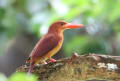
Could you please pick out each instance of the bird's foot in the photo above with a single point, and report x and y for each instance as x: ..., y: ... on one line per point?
x: 31, y: 68
x: 44, y: 62
x: 52, y: 60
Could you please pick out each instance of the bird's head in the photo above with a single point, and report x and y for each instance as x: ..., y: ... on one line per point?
x: 62, y: 25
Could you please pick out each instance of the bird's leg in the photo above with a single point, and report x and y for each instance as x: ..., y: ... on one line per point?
x: 44, y: 62
x: 31, y: 67
x: 52, y: 60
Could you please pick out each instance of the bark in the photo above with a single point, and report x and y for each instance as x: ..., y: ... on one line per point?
x: 91, y: 67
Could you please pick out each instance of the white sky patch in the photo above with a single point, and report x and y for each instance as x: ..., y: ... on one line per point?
x: 3, y: 3
x: 95, y: 1
x: 34, y: 6
x: 93, y: 28
x: 43, y: 29
x: 39, y: 19
x: 59, y: 7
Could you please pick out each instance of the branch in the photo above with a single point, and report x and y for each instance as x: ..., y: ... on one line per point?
x: 92, y: 67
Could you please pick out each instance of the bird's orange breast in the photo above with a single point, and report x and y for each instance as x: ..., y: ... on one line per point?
x: 58, y: 46
x: 54, y: 50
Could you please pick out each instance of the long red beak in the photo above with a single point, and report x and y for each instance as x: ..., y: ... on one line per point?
x: 73, y: 26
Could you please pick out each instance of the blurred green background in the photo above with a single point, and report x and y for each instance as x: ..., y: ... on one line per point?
x: 23, y: 22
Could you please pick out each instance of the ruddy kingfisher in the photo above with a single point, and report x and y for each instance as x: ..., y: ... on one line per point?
x: 50, y: 43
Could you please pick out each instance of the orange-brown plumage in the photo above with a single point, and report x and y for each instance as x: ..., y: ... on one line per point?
x: 49, y: 44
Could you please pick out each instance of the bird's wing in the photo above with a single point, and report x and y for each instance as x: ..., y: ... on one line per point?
x: 46, y: 44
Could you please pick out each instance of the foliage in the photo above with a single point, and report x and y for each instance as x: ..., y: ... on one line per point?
x: 18, y: 77
x: 35, y: 16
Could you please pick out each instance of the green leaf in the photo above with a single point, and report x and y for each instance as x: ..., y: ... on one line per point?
x: 2, y: 13
x: 22, y: 77
x: 115, y: 13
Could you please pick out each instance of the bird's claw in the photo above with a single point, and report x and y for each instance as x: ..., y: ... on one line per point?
x: 44, y: 62
x: 52, y: 60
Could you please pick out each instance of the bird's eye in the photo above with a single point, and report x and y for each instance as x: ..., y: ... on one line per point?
x: 62, y: 23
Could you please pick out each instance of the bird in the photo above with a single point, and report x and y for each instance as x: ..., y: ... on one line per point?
x: 50, y: 43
